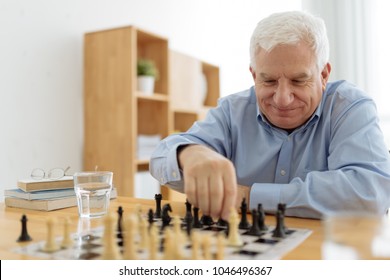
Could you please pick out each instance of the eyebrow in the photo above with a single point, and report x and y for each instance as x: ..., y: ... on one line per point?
x: 301, y: 75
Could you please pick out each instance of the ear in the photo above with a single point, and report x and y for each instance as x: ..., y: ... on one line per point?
x: 253, y: 72
x: 326, y: 73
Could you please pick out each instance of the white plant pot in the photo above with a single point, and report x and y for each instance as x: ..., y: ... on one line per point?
x: 145, y: 84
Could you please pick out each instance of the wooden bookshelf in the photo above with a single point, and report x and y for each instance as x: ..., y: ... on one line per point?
x: 116, y: 113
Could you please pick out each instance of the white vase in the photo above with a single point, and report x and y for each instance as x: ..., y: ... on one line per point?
x: 145, y: 84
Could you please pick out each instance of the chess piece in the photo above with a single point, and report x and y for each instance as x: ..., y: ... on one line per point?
x: 195, y: 245
x: 24, y: 236
x: 206, y: 244
x: 119, y: 225
x: 130, y: 225
x: 110, y: 247
x: 158, y: 198
x: 261, y: 220
x: 144, y: 243
x: 169, y: 246
x: 153, y: 241
x: 255, y: 229
x: 220, y: 254
x: 50, y: 245
x: 166, y: 219
x: 188, y: 221
x: 67, y: 241
x: 279, y: 231
x: 233, y: 235
x: 196, y: 222
x: 150, y: 217
x: 206, y: 220
x: 222, y: 223
x: 282, y: 208
x: 188, y: 215
x: 244, y: 224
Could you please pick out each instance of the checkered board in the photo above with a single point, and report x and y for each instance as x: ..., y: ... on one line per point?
x: 263, y: 247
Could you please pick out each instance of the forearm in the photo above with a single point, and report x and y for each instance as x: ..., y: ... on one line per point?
x: 324, y: 192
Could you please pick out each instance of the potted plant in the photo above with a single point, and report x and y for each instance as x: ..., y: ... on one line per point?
x: 147, y: 74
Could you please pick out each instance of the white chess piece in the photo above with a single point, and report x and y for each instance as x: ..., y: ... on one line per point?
x: 50, y: 245
x: 110, y: 247
x: 234, y: 238
x: 130, y: 224
x: 67, y: 241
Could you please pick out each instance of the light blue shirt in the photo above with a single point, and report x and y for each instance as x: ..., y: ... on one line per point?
x: 336, y: 161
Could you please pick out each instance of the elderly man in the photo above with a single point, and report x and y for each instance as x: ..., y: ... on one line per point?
x: 293, y: 137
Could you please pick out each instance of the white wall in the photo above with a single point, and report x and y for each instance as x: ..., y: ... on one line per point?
x: 41, y: 62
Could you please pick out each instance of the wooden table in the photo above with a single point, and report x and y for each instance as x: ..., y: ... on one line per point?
x: 10, y: 226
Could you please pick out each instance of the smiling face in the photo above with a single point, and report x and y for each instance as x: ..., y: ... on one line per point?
x: 288, y: 84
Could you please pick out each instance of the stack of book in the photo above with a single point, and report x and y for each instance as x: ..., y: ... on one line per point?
x: 44, y: 195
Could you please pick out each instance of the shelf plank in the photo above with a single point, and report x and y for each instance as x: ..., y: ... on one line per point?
x: 154, y: 96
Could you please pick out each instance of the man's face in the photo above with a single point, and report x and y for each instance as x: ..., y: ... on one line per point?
x: 288, y: 84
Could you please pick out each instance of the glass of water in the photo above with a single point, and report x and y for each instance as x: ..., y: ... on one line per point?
x: 93, y: 191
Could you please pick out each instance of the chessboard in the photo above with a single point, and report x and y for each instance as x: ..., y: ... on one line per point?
x: 157, y: 235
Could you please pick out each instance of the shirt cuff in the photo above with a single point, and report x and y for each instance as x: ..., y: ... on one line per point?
x: 266, y: 194
x: 173, y: 171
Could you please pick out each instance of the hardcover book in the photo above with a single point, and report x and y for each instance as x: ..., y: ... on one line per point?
x: 19, y: 193
x: 31, y: 185
x: 46, y: 204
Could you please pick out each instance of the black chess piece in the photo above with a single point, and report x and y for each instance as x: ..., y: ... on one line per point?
x: 119, y: 234
x: 150, y: 217
x: 282, y: 208
x: 222, y: 223
x: 188, y: 211
x: 188, y: 220
x: 279, y: 231
x: 196, y: 222
x: 255, y: 229
x: 24, y: 236
x: 158, y: 198
x: 244, y: 224
x: 261, y: 219
x: 166, y: 219
x: 206, y: 220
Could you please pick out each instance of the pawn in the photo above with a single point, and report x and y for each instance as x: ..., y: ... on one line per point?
x: 24, y: 236
x: 111, y: 249
x: 233, y: 238
x: 196, y: 222
x: 150, y: 217
x: 119, y: 225
x: 220, y: 254
x: 206, y: 220
x: 67, y: 241
x: 279, y: 231
x: 255, y: 229
x: 261, y: 219
x: 50, y: 245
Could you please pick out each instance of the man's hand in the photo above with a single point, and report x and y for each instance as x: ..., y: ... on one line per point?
x: 210, y: 181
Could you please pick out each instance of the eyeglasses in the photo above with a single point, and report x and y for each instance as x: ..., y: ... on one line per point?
x: 53, y: 174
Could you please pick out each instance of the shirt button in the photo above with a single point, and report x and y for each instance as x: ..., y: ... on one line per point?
x: 174, y: 174
x: 282, y: 172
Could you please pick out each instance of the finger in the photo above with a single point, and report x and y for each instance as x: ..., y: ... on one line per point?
x: 216, y: 196
x: 202, y: 189
x: 190, y: 190
x: 230, y: 193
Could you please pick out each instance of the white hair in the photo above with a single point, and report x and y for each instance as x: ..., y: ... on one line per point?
x: 291, y: 28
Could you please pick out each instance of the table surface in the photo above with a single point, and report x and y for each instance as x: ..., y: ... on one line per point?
x: 10, y: 226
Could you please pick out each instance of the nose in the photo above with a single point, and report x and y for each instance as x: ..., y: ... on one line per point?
x: 283, y: 95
